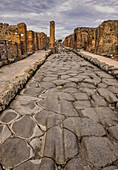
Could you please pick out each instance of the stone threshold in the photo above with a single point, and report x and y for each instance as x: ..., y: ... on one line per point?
x: 18, y: 82
x: 110, y: 69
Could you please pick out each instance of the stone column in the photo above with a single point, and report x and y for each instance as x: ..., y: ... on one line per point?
x: 35, y: 41
x: 52, y: 34
x: 23, y: 32
x: 30, y: 41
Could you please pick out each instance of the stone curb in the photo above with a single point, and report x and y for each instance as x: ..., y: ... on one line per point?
x: 105, y: 67
x: 18, y: 83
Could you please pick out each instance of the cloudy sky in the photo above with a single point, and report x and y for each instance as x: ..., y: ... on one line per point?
x: 68, y: 14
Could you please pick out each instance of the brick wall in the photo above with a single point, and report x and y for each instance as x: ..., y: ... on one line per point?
x: 101, y: 40
x: 27, y: 41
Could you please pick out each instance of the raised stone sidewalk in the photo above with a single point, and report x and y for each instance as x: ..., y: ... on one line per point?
x: 107, y: 64
x: 14, y: 76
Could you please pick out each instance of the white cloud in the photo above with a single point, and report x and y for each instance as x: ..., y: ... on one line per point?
x: 67, y: 14
x: 105, y: 9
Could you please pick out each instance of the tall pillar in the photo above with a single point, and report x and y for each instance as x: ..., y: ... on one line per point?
x: 52, y: 34
x: 23, y: 32
x: 30, y: 41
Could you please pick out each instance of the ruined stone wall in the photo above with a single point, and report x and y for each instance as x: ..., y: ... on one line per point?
x: 30, y: 41
x: 106, y: 37
x: 20, y: 41
x: 84, y: 37
x: 102, y: 40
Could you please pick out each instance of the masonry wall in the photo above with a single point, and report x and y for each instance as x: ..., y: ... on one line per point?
x: 102, y: 40
x: 19, y: 39
x: 30, y: 41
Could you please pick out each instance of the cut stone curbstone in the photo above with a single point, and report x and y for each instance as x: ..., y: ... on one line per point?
x: 18, y: 82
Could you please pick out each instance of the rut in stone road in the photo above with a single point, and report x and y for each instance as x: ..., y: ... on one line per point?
x: 64, y: 119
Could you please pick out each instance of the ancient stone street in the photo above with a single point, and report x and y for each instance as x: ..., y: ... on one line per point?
x: 66, y: 118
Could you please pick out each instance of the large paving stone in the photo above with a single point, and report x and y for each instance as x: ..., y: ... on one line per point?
x: 50, y: 93
x: 70, y: 145
x: 89, y: 92
x: 4, y: 133
x: 114, y: 131
x: 33, y: 91
x: 81, y: 96
x: 70, y: 84
x: 47, y: 119
x: 110, y: 168
x: 68, y: 109
x: 109, y: 96
x: 99, y: 151
x: 8, y: 116
x: 50, y: 104
x: 47, y: 85
x: 25, y: 127
x: 103, y: 115
x: 61, y: 145
x: 70, y: 90
x: 113, y: 89
x: 54, y: 145
x: 84, y: 127
x: 49, y: 79
x: 48, y: 163
x: 60, y: 82
x: 87, y: 85
x: 33, y: 84
x: 102, y: 85
x: 77, y: 164
x: 111, y: 82
x: 66, y: 96
x: 29, y: 165
x: 79, y: 105
x: 14, y: 151
x: 98, y: 101
x: 38, y: 145
x: 25, y: 105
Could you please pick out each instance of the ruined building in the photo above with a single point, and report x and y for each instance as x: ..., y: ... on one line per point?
x: 23, y: 42
x: 102, y: 40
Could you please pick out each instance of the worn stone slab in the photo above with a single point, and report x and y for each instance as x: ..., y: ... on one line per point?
x: 25, y: 127
x: 68, y: 109
x: 61, y: 145
x: 81, y: 96
x: 38, y: 145
x: 98, y: 101
x: 47, y: 162
x: 114, y: 131
x: 95, y: 148
x: 51, y: 104
x: 25, y: 105
x: 103, y: 115
x: 110, y: 168
x: 4, y: 133
x: 109, y: 96
x: 77, y: 164
x: 14, y: 151
x: 47, y: 119
x: 8, y: 116
x: 84, y: 127
x: 79, y: 105
x: 29, y: 165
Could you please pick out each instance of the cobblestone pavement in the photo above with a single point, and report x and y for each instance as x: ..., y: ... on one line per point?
x: 64, y: 119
